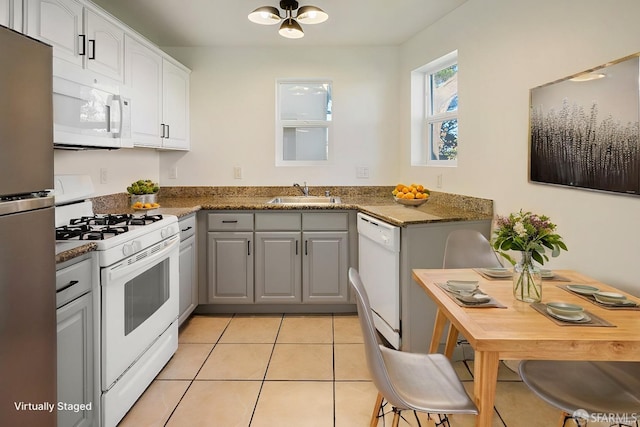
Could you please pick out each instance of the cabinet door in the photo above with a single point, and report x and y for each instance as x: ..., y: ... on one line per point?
x: 11, y: 14
x: 278, y: 267
x: 75, y: 360
x: 324, y: 268
x: 58, y: 23
x: 105, y: 46
x: 230, y: 267
x: 175, y: 106
x: 188, y: 278
x: 143, y: 82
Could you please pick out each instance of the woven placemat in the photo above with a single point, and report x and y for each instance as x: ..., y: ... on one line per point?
x: 555, y: 278
x: 492, y: 303
x: 593, y: 301
x: 595, y: 320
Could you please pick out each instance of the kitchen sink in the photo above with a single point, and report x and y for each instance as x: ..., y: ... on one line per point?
x: 305, y: 200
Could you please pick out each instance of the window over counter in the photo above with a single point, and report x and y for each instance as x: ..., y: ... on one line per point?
x: 303, y: 122
x: 434, y: 112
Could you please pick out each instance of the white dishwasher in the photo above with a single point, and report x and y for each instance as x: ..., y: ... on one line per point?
x: 379, y: 268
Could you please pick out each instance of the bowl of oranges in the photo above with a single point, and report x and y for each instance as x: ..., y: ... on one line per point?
x: 411, y: 195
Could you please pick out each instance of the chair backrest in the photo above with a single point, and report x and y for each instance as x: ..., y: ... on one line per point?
x: 375, y: 362
x: 469, y: 249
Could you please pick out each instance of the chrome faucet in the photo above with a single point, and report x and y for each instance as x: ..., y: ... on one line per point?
x: 304, y: 190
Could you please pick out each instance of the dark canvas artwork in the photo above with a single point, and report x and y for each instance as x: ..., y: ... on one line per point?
x: 585, y: 132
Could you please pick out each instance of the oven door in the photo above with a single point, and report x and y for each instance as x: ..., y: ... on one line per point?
x: 139, y: 302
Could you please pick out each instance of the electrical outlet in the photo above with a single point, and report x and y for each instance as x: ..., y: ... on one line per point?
x: 173, y: 172
x: 362, y: 172
x: 104, y: 176
x: 237, y: 172
x: 439, y: 181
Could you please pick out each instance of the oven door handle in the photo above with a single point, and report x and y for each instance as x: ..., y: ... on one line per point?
x: 124, y: 268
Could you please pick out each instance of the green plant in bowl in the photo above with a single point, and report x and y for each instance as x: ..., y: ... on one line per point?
x: 143, y: 186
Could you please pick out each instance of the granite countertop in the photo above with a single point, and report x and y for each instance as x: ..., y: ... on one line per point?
x: 374, y: 201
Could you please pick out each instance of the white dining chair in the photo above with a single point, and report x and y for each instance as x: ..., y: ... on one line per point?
x: 469, y: 249
x: 585, y: 390
x: 408, y: 381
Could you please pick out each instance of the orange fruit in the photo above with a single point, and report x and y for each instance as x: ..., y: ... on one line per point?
x: 399, y: 187
x: 409, y: 196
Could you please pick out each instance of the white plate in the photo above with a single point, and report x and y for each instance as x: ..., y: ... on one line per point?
x: 547, y: 274
x: 564, y: 309
x: 578, y: 318
x: 496, y: 272
x: 462, y: 285
x: 617, y: 302
x: 583, y: 289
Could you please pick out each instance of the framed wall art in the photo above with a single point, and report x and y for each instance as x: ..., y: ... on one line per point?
x: 584, y: 130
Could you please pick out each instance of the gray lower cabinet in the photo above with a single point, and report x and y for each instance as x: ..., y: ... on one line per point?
x: 230, y: 267
x: 77, y: 402
x: 188, y: 298
x: 325, y: 266
x: 278, y: 267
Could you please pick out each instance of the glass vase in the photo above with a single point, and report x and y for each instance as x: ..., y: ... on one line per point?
x: 527, y: 280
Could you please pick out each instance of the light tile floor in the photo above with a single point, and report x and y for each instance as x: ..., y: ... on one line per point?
x: 291, y: 370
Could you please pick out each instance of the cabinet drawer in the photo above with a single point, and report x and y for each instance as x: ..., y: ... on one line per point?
x: 325, y: 221
x: 278, y: 221
x: 230, y: 222
x: 187, y: 227
x: 73, y: 281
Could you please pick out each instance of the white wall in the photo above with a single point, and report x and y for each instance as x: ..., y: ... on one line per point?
x: 233, y: 115
x: 122, y: 166
x: 505, y: 48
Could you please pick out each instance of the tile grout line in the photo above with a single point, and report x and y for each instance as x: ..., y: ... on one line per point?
x: 264, y: 377
x: 199, y: 369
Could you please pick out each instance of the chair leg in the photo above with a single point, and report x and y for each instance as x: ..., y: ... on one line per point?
x: 376, y: 411
x: 396, y: 418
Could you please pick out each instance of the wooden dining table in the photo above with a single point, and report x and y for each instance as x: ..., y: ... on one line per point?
x: 518, y: 331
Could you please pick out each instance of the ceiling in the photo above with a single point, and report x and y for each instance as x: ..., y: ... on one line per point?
x: 224, y: 23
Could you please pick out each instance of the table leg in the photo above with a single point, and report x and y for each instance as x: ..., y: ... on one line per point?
x: 484, y: 385
x: 438, y: 328
x: 452, y: 341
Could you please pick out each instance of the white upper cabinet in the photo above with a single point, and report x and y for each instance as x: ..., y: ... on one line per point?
x: 143, y: 83
x: 11, y: 14
x: 175, y: 107
x: 58, y: 23
x: 105, y: 46
x: 78, y: 35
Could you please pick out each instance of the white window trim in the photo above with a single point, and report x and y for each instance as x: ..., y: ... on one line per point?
x: 281, y: 124
x: 420, y: 144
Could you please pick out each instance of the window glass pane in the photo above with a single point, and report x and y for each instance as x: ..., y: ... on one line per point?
x: 305, y: 143
x: 444, y: 139
x: 444, y: 90
x: 305, y: 101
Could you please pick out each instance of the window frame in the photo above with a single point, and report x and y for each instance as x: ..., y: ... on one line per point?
x: 421, y: 115
x: 283, y: 124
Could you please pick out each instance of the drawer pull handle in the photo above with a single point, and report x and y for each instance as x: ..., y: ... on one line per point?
x: 229, y: 221
x: 82, y: 45
x: 68, y: 285
x: 186, y: 229
x: 92, y: 49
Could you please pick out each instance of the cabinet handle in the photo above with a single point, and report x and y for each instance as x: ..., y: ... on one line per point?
x: 162, y: 129
x: 306, y: 247
x: 249, y: 247
x: 296, y: 246
x: 83, y: 41
x: 229, y: 221
x: 186, y: 229
x: 92, y: 49
x: 167, y: 131
x: 68, y: 285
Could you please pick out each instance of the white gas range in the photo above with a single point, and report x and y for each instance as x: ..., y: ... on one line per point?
x: 138, y: 257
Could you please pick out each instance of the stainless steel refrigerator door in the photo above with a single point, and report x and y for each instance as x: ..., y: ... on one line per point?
x: 26, y: 117
x: 27, y: 318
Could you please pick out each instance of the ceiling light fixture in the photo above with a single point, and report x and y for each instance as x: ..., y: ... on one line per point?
x: 290, y: 28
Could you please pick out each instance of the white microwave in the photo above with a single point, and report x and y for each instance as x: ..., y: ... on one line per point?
x: 89, y: 116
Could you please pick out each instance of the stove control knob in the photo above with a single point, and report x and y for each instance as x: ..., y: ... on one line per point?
x: 127, y: 249
x: 166, y: 232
